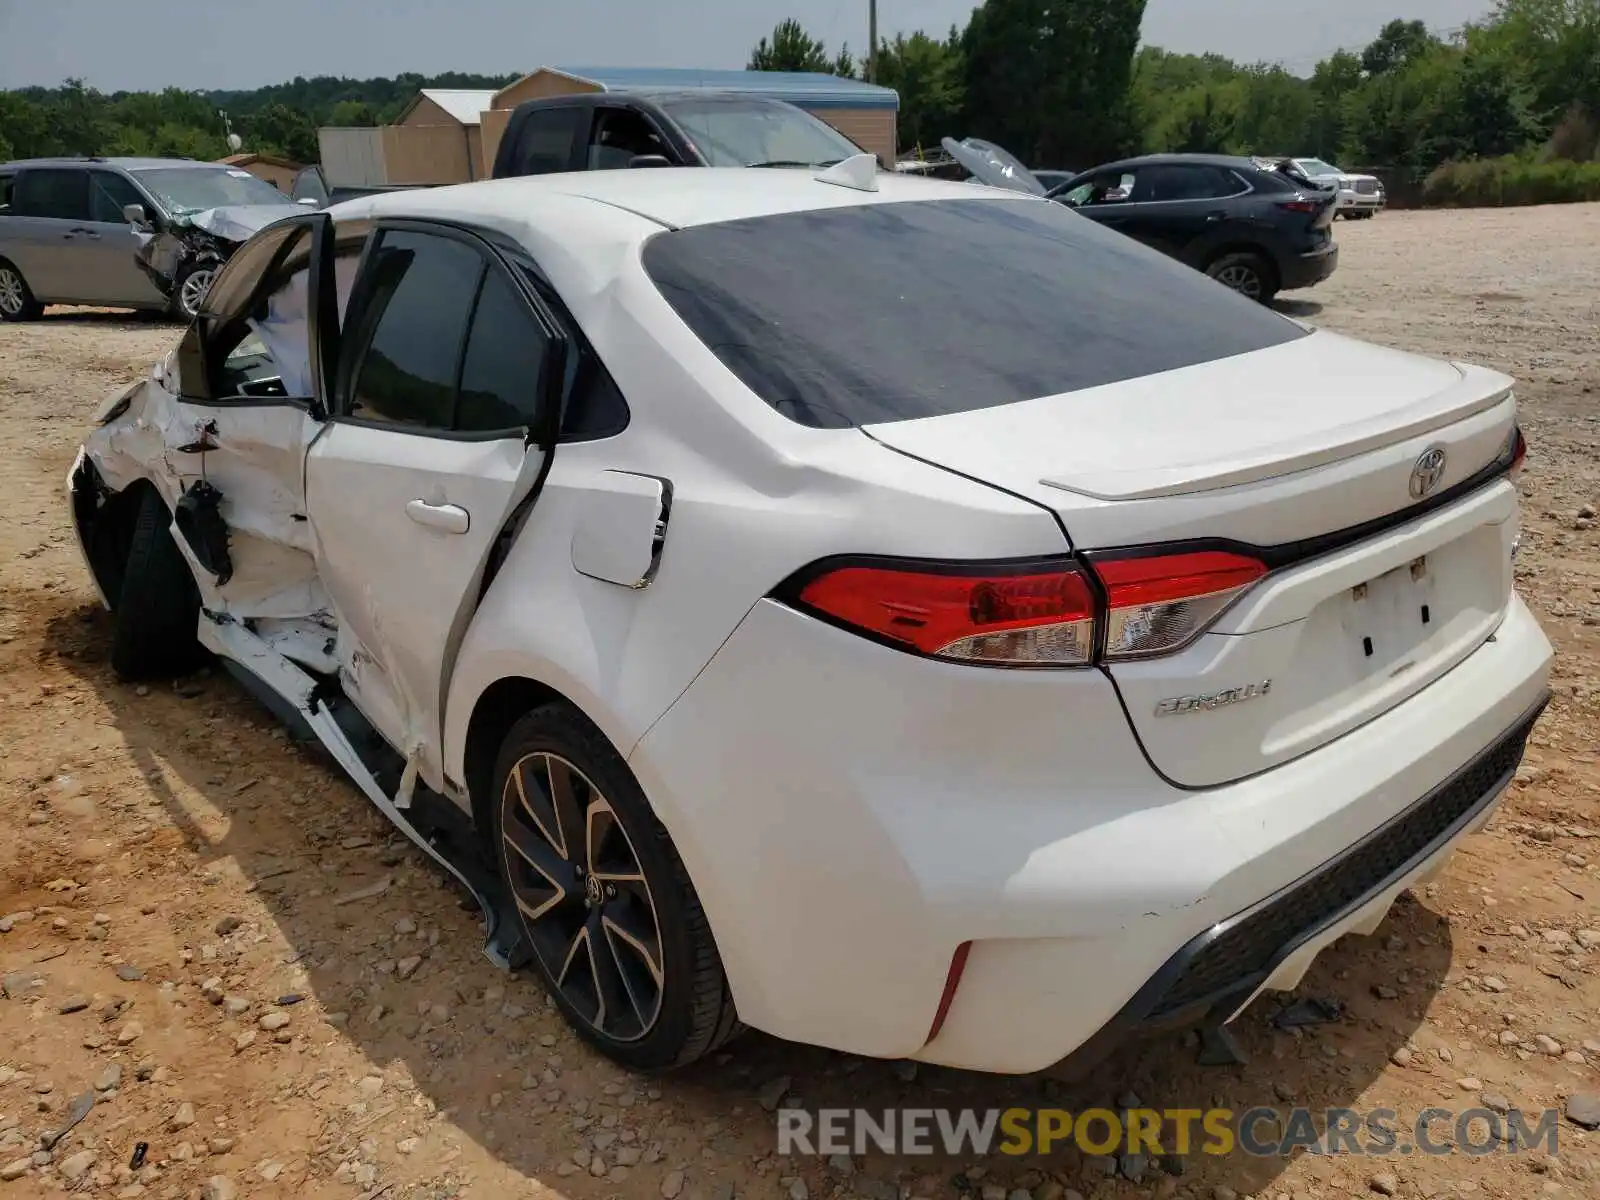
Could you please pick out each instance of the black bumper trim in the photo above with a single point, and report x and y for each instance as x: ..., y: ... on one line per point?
x: 1219, y: 968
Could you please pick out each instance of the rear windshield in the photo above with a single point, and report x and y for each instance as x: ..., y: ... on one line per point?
x: 889, y: 312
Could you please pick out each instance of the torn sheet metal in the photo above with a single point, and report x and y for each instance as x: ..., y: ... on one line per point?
x: 233, y: 641
x: 212, y: 235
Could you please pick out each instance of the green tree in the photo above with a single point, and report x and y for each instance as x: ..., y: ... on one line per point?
x: 281, y: 129
x: 1051, y: 79
x: 1397, y: 45
x: 352, y: 113
x: 927, y: 74
x: 791, y: 49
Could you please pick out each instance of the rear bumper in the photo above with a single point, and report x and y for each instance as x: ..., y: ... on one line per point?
x: 1270, y: 946
x: 851, y: 815
x: 1308, y: 270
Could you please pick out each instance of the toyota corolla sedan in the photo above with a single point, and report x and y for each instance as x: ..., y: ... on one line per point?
x: 897, y: 615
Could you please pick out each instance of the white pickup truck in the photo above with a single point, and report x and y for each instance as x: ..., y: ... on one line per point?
x: 1359, y: 195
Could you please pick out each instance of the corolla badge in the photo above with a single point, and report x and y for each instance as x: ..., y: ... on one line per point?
x: 1427, y: 472
x: 1178, y: 705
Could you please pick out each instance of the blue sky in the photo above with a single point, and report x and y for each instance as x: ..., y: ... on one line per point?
x: 138, y: 44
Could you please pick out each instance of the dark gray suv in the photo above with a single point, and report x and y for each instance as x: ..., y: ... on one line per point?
x: 66, y: 236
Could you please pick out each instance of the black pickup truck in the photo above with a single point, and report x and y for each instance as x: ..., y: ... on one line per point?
x: 600, y: 131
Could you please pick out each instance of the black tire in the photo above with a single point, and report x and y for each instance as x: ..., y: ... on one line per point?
x: 690, y: 1008
x: 1246, y: 272
x: 188, y: 287
x: 17, y: 301
x: 158, y: 606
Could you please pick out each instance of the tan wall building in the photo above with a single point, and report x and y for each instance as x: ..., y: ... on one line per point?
x: 450, y: 135
x: 279, y: 172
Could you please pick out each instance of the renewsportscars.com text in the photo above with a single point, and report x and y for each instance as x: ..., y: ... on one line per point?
x: 1261, y: 1132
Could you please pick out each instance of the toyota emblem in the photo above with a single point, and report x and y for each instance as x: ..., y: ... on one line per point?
x: 1427, y: 472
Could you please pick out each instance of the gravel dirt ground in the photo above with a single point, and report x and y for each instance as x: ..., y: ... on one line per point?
x: 213, y: 935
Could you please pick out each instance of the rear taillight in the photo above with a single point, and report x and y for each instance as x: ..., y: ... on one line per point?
x: 1049, y: 614
x: 1163, y: 602
x: 1300, y: 206
x: 1519, y: 452
x: 1040, y: 615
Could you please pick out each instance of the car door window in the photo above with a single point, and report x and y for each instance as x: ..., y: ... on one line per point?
x: 109, y: 194
x: 506, y: 353
x: 421, y: 290
x: 619, y: 135
x: 544, y: 140
x: 1189, y: 182
x: 1115, y: 187
x: 5, y: 194
x: 61, y: 193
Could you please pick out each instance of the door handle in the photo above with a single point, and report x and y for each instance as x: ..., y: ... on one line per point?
x: 89, y: 233
x: 451, y: 518
x: 1215, y: 216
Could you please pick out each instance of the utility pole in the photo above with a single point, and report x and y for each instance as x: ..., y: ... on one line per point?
x: 872, y: 41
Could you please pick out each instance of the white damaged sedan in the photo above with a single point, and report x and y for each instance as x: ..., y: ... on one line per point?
x: 901, y: 616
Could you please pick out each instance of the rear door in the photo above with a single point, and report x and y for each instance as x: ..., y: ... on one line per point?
x: 47, y: 238
x: 447, y: 362
x: 1179, y: 208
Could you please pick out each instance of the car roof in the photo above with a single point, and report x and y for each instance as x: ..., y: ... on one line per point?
x: 674, y: 197
x: 126, y: 163
x: 1174, y: 160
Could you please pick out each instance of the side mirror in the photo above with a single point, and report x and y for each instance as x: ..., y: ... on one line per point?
x: 135, y: 215
x: 649, y: 160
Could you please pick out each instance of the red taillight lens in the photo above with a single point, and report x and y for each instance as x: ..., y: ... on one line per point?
x: 1519, y: 451
x: 1028, y: 616
x: 1299, y: 206
x: 1161, y: 603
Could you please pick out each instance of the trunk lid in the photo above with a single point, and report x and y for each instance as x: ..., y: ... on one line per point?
x: 1294, y: 450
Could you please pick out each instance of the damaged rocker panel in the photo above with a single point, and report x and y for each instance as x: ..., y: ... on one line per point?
x: 319, y: 713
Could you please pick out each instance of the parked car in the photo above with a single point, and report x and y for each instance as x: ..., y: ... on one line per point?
x: 1052, y: 179
x: 608, y: 130
x: 1361, y: 197
x: 311, y: 188
x: 1253, y: 230
x: 142, y: 233
x: 899, y: 615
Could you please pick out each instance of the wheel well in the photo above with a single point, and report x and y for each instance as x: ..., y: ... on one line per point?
x: 106, y: 529
x: 1249, y: 248
x: 502, y: 705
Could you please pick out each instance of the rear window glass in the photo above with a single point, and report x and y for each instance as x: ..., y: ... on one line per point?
x: 890, y: 312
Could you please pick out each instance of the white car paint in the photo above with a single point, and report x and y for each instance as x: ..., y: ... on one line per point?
x: 851, y: 814
x: 1357, y: 193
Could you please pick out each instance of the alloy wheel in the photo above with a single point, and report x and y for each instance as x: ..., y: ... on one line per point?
x: 11, y: 292
x: 194, y: 290
x: 1241, y: 278
x: 583, y: 897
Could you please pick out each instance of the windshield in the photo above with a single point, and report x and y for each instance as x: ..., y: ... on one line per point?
x: 884, y: 312
x: 1315, y: 166
x: 184, y: 190
x: 754, y: 133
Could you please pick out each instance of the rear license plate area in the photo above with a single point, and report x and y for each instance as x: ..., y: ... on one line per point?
x: 1389, y: 617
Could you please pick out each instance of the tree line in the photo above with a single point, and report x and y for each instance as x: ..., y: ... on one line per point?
x: 1064, y: 84
x: 1508, y: 102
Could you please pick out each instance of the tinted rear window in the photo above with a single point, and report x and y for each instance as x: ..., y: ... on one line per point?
x: 889, y: 312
